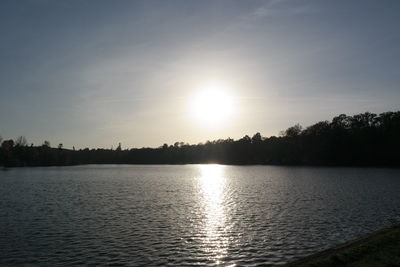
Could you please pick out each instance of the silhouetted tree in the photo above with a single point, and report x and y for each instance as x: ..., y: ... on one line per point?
x: 363, y: 139
x: 256, y: 139
x: 46, y: 144
x: 293, y: 131
x: 341, y: 122
x: 21, y: 141
x: 245, y: 139
x: 317, y: 129
x: 7, y: 145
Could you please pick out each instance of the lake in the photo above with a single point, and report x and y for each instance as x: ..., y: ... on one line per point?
x: 139, y: 215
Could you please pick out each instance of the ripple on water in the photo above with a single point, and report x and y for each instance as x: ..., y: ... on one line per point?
x: 187, y: 215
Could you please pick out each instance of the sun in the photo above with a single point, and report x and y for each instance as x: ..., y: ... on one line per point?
x: 212, y: 106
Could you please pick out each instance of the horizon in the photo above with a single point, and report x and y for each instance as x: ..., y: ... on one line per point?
x: 144, y: 73
x: 114, y: 146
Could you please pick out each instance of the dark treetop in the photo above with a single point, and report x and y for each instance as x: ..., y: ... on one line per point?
x: 365, y: 139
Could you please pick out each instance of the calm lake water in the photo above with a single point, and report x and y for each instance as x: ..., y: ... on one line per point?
x: 188, y: 215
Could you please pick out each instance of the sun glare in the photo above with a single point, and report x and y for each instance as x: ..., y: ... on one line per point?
x: 212, y: 106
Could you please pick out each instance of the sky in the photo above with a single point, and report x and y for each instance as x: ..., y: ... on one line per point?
x: 96, y: 73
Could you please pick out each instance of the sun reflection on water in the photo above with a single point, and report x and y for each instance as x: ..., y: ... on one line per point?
x: 212, y: 185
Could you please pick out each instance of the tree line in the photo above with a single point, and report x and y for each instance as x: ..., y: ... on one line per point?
x: 365, y: 139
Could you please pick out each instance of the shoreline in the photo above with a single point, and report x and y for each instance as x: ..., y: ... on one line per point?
x: 379, y: 248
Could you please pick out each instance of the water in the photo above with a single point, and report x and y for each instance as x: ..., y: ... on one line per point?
x: 188, y: 215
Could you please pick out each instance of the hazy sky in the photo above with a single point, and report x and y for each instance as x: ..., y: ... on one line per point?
x: 95, y: 73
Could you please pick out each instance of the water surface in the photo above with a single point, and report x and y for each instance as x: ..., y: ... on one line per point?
x: 188, y: 215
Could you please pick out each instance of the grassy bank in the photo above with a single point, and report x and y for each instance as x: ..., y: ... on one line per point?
x: 381, y: 248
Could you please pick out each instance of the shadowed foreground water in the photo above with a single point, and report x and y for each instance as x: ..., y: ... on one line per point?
x: 188, y: 215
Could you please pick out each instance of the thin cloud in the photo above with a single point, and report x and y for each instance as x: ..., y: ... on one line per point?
x: 279, y: 7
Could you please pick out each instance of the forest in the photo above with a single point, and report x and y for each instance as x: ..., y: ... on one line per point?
x: 365, y: 139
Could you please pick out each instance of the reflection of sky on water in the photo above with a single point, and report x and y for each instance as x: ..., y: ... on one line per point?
x: 188, y: 215
x: 212, y: 186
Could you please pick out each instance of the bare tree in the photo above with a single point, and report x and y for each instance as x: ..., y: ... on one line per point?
x: 21, y: 141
